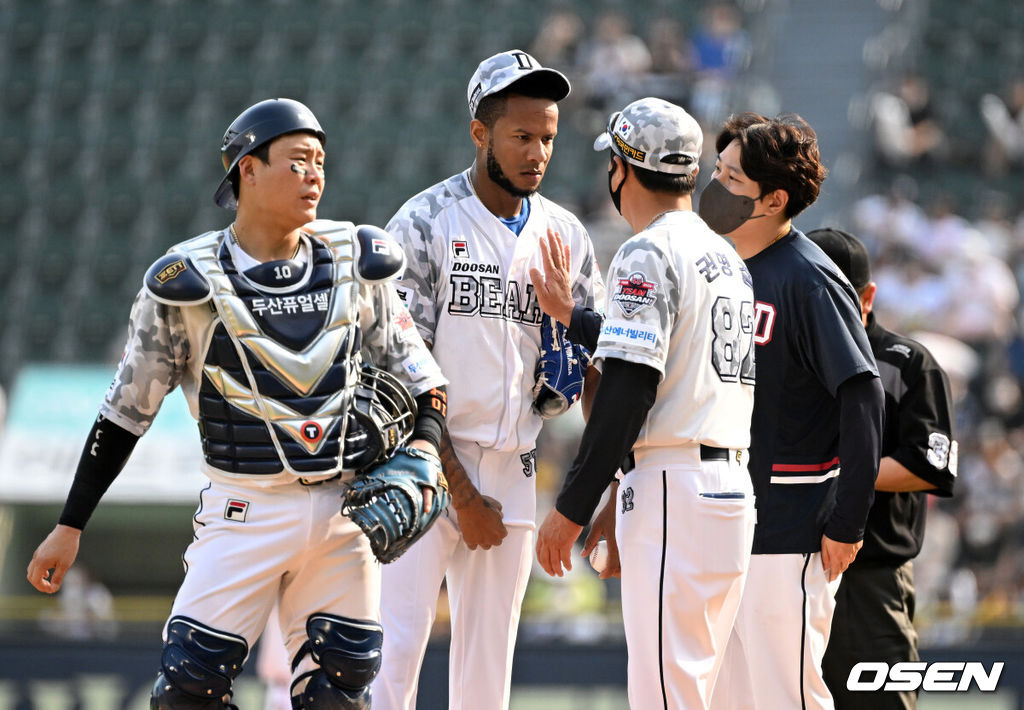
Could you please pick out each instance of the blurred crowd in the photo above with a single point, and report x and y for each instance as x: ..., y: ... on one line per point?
x: 616, y: 63
x: 700, y: 59
x: 945, y: 226
x: 955, y: 283
x: 909, y: 130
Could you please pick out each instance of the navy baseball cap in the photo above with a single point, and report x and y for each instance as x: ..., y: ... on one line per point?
x: 848, y: 253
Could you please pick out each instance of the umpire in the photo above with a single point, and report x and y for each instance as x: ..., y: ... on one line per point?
x: 874, y: 613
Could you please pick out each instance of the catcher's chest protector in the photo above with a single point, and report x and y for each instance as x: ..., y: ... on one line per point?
x: 282, y: 364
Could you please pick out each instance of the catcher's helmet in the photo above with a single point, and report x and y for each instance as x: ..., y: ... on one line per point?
x: 256, y: 125
x: 381, y: 418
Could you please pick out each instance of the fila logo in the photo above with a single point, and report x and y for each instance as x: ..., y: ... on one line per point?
x: 460, y: 249
x: 237, y: 510
x: 380, y: 247
x: 932, y: 677
x: 311, y: 431
x: 764, y: 322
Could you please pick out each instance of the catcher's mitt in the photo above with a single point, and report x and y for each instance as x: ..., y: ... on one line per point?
x: 559, y: 371
x: 387, y: 501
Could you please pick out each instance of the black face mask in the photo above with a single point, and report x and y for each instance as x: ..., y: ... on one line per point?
x: 617, y: 193
x: 723, y: 211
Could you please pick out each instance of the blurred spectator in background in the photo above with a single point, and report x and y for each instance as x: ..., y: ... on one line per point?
x: 672, y: 60
x: 558, y: 41
x: 722, y: 49
x: 1004, y: 119
x: 85, y: 608
x: 995, y: 226
x: 906, y: 129
x: 614, y: 62
x: 890, y: 219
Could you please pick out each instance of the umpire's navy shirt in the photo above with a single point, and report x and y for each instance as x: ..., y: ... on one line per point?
x: 809, y: 340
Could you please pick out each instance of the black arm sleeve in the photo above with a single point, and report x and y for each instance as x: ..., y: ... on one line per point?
x: 106, y: 452
x: 621, y: 403
x: 861, y: 415
x: 584, y: 327
x: 431, y: 408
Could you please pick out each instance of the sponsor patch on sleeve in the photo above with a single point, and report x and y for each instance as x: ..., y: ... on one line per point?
x: 419, y: 366
x: 637, y: 335
x: 634, y: 293
x: 404, y: 322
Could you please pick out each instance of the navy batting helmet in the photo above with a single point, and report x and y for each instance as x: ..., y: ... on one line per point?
x: 255, y: 126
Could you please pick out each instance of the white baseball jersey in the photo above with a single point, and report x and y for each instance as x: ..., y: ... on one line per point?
x: 680, y: 301
x: 467, y: 286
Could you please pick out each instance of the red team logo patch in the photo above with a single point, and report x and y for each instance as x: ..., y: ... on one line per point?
x: 311, y: 431
x: 634, y: 293
x: 236, y: 510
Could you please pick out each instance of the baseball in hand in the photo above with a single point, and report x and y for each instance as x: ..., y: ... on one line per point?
x: 599, y: 556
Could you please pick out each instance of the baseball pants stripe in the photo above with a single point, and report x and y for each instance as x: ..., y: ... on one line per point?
x: 682, y: 576
x: 774, y: 655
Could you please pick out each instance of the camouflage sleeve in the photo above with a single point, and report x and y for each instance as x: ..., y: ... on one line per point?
x: 153, y: 364
x: 642, y: 306
x: 392, y: 342
x: 418, y: 285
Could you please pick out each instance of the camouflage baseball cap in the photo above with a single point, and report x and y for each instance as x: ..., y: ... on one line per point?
x: 654, y: 134
x: 506, y: 68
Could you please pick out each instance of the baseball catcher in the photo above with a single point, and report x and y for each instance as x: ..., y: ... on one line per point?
x: 560, y: 370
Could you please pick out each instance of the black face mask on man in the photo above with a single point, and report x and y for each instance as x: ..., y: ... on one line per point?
x: 617, y: 192
x: 723, y: 211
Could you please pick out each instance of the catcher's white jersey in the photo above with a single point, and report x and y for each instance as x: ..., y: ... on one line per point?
x: 467, y: 286
x: 680, y: 301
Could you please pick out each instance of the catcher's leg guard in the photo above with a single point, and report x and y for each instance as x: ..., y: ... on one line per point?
x: 198, y: 665
x: 348, y: 653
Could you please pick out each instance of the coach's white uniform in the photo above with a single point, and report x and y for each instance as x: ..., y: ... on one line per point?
x: 680, y: 301
x: 468, y: 289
